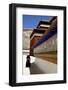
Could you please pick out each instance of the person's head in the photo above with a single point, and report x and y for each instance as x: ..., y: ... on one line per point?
x: 28, y: 56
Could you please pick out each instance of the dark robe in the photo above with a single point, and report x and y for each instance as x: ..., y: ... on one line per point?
x: 28, y: 64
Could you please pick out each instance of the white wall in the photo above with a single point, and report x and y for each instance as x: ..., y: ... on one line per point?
x: 4, y: 44
x: 49, y: 45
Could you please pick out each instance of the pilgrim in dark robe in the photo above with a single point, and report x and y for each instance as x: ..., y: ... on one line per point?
x: 28, y: 64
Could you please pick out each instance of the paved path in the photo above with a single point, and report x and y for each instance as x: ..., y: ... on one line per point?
x: 34, y: 69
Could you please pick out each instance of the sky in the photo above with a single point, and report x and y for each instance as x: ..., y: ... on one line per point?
x: 31, y: 21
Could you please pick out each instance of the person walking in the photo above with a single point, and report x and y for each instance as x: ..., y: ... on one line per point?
x: 28, y: 64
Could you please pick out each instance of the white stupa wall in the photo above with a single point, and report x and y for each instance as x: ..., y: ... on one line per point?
x: 49, y: 45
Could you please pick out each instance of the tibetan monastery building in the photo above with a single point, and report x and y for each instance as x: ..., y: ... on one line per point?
x: 43, y: 40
